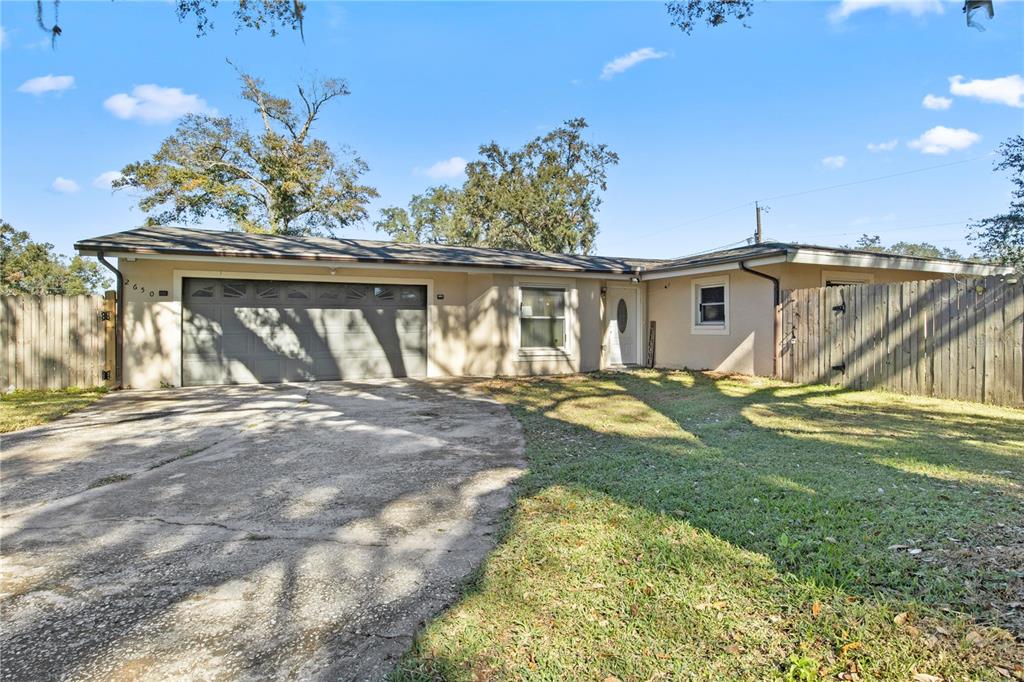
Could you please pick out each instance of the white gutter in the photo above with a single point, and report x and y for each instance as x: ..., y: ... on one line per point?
x: 718, y: 267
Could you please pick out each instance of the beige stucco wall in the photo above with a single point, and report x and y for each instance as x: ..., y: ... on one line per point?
x: 747, y: 348
x: 472, y: 331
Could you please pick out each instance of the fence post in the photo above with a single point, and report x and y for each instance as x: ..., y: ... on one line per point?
x: 109, y: 338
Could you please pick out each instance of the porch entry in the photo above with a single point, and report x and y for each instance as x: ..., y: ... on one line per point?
x: 621, y: 338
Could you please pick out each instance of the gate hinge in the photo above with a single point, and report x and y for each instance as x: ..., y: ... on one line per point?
x: 105, y: 374
x: 841, y: 367
x: 841, y: 308
x: 105, y: 315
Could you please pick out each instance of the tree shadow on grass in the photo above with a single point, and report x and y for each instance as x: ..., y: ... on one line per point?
x: 825, y: 491
x: 844, y: 475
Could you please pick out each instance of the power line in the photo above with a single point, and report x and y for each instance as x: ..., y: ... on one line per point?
x: 802, y: 193
x: 713, y: 248
x: 876, y: 179
x: 688, y: 222
x: 861, y: 230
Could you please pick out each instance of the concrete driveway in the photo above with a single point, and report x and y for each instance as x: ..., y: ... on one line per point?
x: 294, y: 531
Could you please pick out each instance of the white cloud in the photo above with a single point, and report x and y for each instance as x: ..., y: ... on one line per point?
x: 883, y: 146
x: 44, y: 84
x: 104, y: 180
x: 447, y: 169
x: 935, y: 102
x: 942, y: 140
x: 628, y: 61
x: 915, y: 8
x: 834, y: 162
x: 1008, y: 90
x: 155, y: 104
x: 64, y: 185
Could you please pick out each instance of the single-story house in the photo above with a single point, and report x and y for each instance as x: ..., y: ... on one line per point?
x: 208, y: 307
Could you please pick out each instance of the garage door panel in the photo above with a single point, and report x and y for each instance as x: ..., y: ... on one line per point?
x: 242, y: 331
x: 203, y: 371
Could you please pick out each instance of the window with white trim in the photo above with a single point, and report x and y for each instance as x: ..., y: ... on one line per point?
x: 711, y: 306
x: 542, y: 318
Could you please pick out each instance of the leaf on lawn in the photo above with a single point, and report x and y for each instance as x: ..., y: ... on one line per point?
x: 974, y: 637
x: 1003, y: 671
x: 847, y: 648
x: 719, y: 604
x: 900, y: 618
x: 914, y: 551
x: 816, y: 609
x: 925, y: 677
x: 612, y: 678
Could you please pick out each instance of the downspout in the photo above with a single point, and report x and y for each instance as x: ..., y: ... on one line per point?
x: 118, y: 320
x: 776, y: 299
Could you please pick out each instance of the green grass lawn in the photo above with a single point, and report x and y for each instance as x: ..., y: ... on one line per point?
x: 22, y: 409
x: 678, y: 525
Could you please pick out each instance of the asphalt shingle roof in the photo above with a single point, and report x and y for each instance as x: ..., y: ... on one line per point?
x: 193, y: 242
x: 183, y: 241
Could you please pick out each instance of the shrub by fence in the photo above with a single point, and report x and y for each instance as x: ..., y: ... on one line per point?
x: 53, y: 342
x: 944, y: 338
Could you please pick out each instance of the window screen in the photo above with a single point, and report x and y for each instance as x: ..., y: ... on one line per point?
x: 711, y: 305
x: 542, y: 318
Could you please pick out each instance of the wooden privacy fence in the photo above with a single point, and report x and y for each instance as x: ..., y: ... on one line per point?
x: 56, y: 341
x: 944, y: 338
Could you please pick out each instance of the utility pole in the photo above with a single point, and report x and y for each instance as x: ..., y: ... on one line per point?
x: 758, y: 235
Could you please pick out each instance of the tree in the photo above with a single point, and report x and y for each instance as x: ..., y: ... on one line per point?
x: 28, y: 267
x: 278, y: 180
x: 1001, y: 237
x: 915, y: 249
x: 542, y: 197
x: 249, y: 14
x: 685, y: 14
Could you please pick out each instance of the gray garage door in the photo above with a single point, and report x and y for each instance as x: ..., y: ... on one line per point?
x: 255, y: 331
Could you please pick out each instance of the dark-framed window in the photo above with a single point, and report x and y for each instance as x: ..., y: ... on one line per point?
x: 711, y: 308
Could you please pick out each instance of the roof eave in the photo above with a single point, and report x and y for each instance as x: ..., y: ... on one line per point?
x: 861, y: 259
x: 89, y: 248
x: 718, y: 264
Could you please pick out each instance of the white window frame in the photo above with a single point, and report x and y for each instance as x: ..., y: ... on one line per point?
x: 698, y: 327
x: 845, y: 277
x: 534, y: 351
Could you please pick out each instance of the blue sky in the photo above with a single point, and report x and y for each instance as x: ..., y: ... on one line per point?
x: 702, y: 123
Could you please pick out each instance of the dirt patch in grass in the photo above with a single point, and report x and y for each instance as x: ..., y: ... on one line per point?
x: 681, y: 525
x: 22, y: 409
x: 992, y: 563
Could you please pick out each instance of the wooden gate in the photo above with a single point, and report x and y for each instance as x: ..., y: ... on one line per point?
x: 944, y: 338
x: 51, y: 342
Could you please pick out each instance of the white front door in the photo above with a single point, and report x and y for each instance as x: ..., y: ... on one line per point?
x: 621, y: 336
